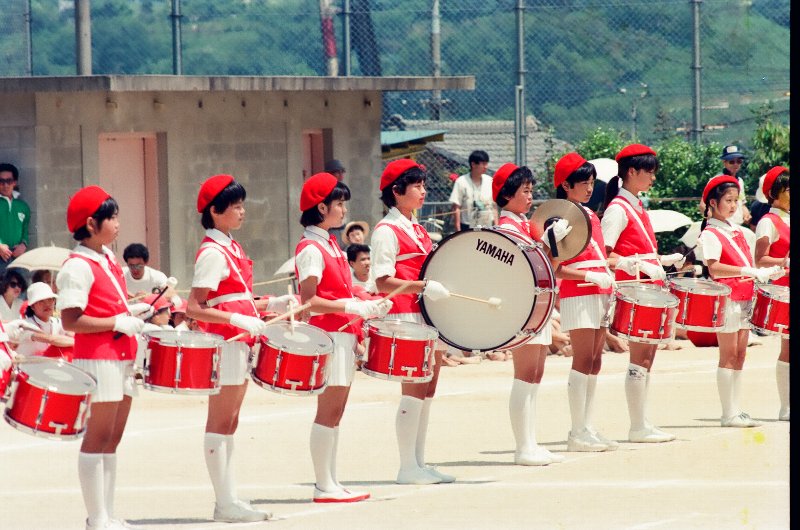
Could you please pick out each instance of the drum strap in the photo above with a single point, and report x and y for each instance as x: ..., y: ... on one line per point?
x: 725, y: 233
x: 590, y: 264
x: 247, y: 295
x: 632, y: 213
x: 403, y: 257
x: 233, y: 297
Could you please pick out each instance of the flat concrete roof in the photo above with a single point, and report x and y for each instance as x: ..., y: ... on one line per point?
x: 183, y: 83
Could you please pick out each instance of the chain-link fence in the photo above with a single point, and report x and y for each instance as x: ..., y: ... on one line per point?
x: 622, y: 64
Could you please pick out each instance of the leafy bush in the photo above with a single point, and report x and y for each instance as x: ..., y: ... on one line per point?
x: 770, y: 146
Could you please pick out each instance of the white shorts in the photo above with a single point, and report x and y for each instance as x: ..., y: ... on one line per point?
x: 233, y: 363
x: 342, y: 362
x: 114, y: 379
x: 589, y: 311
x: 737, y: 316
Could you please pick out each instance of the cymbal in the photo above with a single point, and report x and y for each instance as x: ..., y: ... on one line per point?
x: 574, y: 243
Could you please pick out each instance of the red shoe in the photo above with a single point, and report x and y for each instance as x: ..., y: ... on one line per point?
x: 339, y: 495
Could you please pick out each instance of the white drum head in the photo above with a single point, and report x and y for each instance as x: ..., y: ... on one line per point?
x: 482, y: 264
x: 700, y: 286
x: 402, y: 330
x: 58, y: 375
x: 647, y: 295
x: 776, y: 292
x: 304, y: 339
x: 187, y: 339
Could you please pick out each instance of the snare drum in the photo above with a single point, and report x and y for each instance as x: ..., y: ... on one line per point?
x: 182, y: 362
x: 644, y: 313
x: 771, y: 310
x: 489, y: 263
x: 49, y: 398
x: 293, y: 359
x: 701, y: 303
x: 400, y: 350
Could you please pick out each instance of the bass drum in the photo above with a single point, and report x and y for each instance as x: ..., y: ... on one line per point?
x: 489, y: 263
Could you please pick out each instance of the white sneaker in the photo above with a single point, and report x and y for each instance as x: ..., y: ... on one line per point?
x: 537, y: 456
x: 239, y: 512
x: 611, y: 445
x: 444, y: 478
x: 783, y: 415
x: 339, y: 495
x: 583, y: 441
x: 110, y: 524
x: 416, y: 476
x: 650, y: 434
x: 555, y: 458
x: 740, y: 420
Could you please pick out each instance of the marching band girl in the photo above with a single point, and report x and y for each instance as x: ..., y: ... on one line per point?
x: 324, y: 276
x: 632, y: 248
x: 772, y: 248
x: 512, y: 189
x: 222, y: 301
x: 584, y: 309
x: 92, y: 300
x: 399, y: 246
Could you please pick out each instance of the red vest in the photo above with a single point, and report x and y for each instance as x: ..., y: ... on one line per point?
x: 633, y: 240
x: 238, y: 286
x: 523, y: 228
x: 740, y: 290
x: 779, y: 248
x: 408, y: 264
x: 335, y: 284
x: 104, y: 301
x: 594, y: 251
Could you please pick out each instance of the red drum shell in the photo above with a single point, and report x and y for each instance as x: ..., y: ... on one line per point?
x: 644, y: 313
x: 771, y: 310
x: 701, y: 304
x: 400, y: 350
x: 182, y: 362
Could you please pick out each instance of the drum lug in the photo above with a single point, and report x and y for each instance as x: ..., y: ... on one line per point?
x: 42, y: 406
x: 178, y: 361
x: 80, y: 421
x: 713, y: 315
x: 391, y: 354
x: 661, y: 324
x: 686, y: 309
x: 215, y: 367
x: 11, y: 391
x: 314, y: 368
x: 630, y: 322
x: 278, y: 359
x: 425, y: 362
x: 146, y: 363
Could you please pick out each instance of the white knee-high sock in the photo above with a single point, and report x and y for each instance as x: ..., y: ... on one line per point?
x: 90, y: 473
x: 230, y: 477
x: 782, y: 378
x: 406, y: 427
x: 636, y: 395
x: 519, y: 410
x: 422, y: 431
x: 322, y: 441
x: 591, y: 385
x: 216, y: 453
x: 532, y: 417
x: 109, y: 481
x: 737, y: 390
x: 577, y: 385
x: 335, y: 454
x: 725, y: 389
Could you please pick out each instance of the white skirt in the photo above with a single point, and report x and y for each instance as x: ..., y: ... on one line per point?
x: 114, y: 379
x: 233, y: 363
x: 737, y: 316
x: 589, y: 311
x: 545, y: 337
x: 342, y: 362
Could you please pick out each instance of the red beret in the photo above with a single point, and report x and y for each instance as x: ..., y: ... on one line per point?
x: 160, y: 304
x: 500, y: 178
x: 315, y: 189
x: 83, y: 205
x: 565, y: 166
x: 770, y: 177
x: 716, y: 181
x: 634, y: 150
x: 210, y: 189
x: 395, y: 168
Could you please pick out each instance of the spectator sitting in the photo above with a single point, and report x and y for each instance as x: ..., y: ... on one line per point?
x: 355, y: 232
x: 11, y: 287
x: 51, y: 340
x: 140, y: 278
x: 358, y: 258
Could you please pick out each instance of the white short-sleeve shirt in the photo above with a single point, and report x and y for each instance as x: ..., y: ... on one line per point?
x: 75, y: 279
x: 211, y: 266
x: 309, y: 261
x: 766, y: 228
x: 475, y: 201
x: 614, y: 219
x: 384, y: 247
x: 711, y: 245
x: 151, y: 279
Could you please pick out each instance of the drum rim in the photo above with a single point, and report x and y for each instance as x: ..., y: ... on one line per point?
x: 159, y: 334
x: 770, y: 289
x: 674, y: 302
x: 43, y: 434
x: 680, y: 285
x: 433, y: 331
x: 33, y: 381
x: 424, y: 310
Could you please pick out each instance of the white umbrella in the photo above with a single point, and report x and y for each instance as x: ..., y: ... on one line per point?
x: 286, y: 268
x: 606, y: 168
x: 50, y: 258
x: 667, y: 220
x: 693, y: 233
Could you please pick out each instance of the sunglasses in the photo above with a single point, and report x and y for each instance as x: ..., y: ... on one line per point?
x: 6, y: 181
x: 136, y: 267
x: 14, y: 284
x: 735, y: 161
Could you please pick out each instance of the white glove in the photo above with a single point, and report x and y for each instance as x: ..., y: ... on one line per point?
x: 761, y: 274
x: 150, y: 327
x: 128, y: 325
x: 676, y: 259
x: 368, y: 308
x: 656, y: 272
x: 559, y: 229
x: 435, y: 291
x: 252, y: 325
x: 628, y: 264
x: 776, y: 273
x: 601, y: 279
x: 280, y: 304
x: 141, y: 310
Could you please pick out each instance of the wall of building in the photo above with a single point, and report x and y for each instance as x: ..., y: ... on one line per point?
x: 255, y: 136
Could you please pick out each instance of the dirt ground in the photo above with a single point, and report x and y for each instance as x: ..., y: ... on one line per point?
x: 710, y: 477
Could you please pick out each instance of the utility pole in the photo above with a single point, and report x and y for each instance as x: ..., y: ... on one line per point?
x: 697, y: 124
x: 520, y: 131
x: 346, y: 31
x: 83, y: 37
x: 436, y: 59
x: 29, y: 43
x: 177, y: 46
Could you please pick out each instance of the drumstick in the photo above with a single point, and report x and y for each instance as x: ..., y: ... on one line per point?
x: 273, y: 320
x: 493, y: 301
x: 291, y: 317
x: 287, y: 278
x: 160, y: 294
x: 640, y: 280
x: 387, y: 297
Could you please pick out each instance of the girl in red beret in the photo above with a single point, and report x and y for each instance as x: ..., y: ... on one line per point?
x: 727, y: 258
x: 92, y: 300
x: 584, y: 309
x: 512, y: 190
x: 632, y: 248
x: 399, y: 246
x: 324, y: 275
x: 772, y: 248
x: 222, y: 302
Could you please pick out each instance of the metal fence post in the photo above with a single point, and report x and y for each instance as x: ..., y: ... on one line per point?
x: 177, y: 48
x: 346, y: 36
x: 520, y: 132
x: 83, y: 37
x: 697, y: 125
